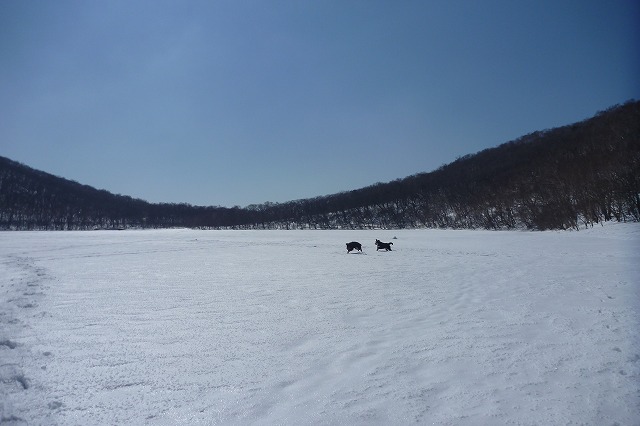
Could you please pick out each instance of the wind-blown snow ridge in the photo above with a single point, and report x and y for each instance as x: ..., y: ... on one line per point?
x: 285, y: 327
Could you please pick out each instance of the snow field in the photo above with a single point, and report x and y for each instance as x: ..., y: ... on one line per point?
x: 285, y: 327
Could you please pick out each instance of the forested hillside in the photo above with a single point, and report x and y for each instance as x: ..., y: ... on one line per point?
x: 562, y: 178
x: 31, y: 199
x: 568, y: 177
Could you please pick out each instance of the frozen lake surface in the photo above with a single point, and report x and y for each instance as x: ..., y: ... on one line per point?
x: 284, y: 327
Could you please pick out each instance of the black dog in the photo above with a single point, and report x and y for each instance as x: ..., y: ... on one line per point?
x: 354, y: 245
x: 381, y: 245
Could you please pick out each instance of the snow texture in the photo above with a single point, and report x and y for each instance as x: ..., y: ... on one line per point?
x: 170, y: 327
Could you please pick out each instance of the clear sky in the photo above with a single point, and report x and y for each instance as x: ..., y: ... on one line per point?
x: 236, y: 102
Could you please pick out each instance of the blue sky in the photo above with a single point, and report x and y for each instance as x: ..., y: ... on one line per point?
x: 241, y: 101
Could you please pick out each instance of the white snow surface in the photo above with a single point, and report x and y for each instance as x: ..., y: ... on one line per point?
x: 167, y: 327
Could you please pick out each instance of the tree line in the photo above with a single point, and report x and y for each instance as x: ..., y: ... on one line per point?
x: 568, y: 177
x: 35, y: 200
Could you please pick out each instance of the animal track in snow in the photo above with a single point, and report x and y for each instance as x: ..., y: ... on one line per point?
x: 19, y: 305
x: 55, y: 405
x: 8, y: 343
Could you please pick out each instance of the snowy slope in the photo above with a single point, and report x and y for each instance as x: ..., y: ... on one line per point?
x: 284, y: 327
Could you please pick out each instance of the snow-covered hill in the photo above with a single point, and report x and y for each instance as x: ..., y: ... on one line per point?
x: 285, y: 327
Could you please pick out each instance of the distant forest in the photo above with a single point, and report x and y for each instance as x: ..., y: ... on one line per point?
x: 569, y: 177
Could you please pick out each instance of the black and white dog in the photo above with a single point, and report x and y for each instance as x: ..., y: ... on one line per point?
x: 354, y: 245
x: 381, y: 245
